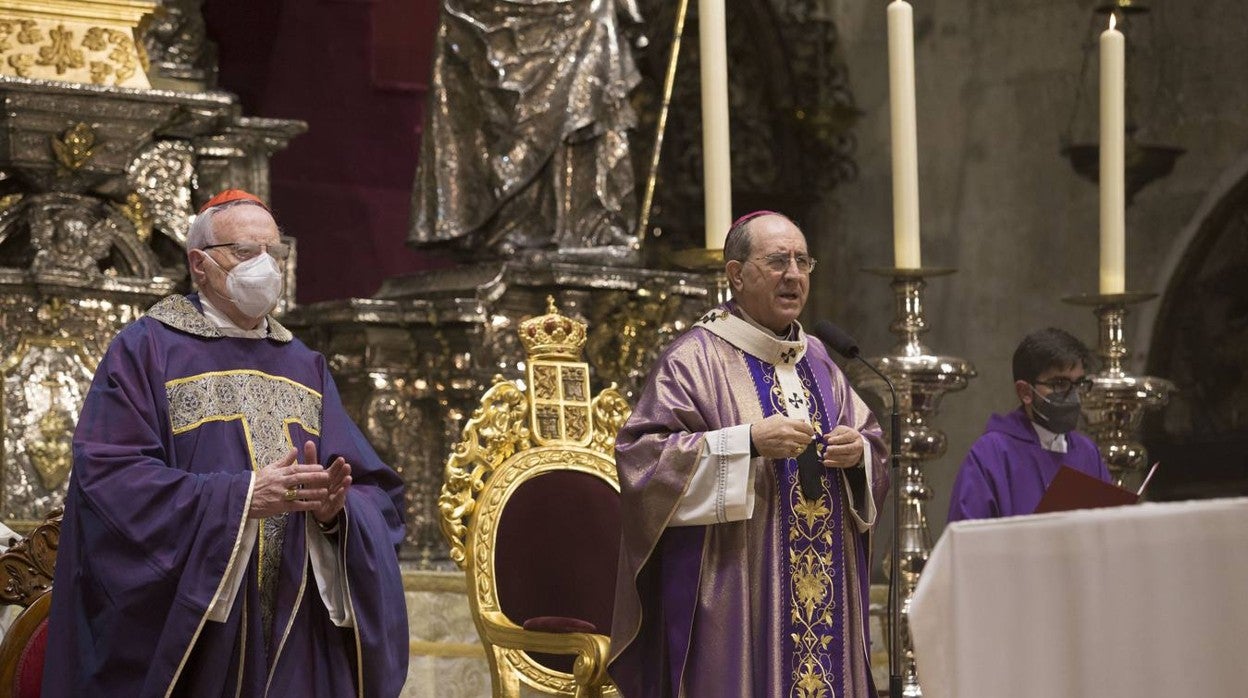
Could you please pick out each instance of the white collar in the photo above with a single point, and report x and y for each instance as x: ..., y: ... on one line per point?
x: 752, y: 338
x: 1049, y: 441
x: 226, y: 326
x: 790, y: 332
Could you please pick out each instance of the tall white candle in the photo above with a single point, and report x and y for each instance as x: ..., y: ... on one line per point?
x: 1113, y: 160
x: 904, y: 135
x: 716, y: 160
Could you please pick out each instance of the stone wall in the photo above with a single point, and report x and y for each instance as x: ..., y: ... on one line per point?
x: 997, y: 81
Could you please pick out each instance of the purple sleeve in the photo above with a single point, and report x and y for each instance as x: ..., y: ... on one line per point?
x: 157, y: 522
x: 972, y: 496
x: 373, y: 532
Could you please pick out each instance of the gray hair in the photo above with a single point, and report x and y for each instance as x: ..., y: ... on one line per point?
x: 738, y: 243
x: 200, y: 234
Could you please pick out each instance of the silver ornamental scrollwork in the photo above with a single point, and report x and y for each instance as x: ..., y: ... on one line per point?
x: 401, y: 430
x: 162, y: 175
x: 79, y: 237
x: 43, y: 381
x: 92, y: 228
x: 629, y: 332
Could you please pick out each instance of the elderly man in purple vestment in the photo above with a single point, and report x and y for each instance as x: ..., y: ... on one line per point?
x: 1019, y: 454
x: 228, y: 531
x: 731, y: 581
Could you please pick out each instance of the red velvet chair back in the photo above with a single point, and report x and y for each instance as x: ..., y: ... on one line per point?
x: 557, y: 552
x: 23, y: 649
x: 29, y: 680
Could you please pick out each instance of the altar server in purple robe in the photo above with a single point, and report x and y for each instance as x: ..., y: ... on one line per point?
x: 1011, y: 465
x: 732, y: 582
x: 228, y: 531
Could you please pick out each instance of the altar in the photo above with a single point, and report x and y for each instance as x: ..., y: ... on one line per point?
x: 1132, y: 601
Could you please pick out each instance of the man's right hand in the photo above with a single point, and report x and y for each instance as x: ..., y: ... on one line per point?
x: 309, y: 483
x: 779, y: 436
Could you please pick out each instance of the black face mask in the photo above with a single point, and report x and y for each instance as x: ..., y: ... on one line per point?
x: 1058, y: 416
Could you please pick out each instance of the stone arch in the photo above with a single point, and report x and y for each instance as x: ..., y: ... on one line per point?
x: 1198, y: 338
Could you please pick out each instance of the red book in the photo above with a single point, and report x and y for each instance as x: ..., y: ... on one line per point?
x: 1072, y: 489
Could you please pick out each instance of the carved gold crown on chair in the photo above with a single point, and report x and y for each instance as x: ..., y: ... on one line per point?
x: 553, y: 335
x: 519, y: 435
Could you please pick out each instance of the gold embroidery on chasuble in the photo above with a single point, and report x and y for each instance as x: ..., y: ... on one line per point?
x: 812, y: 571
x: 265, y: 406
x: 180, y: 313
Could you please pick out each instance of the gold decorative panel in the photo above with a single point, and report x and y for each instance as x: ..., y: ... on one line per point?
x: 560, y: 401
x: 83, y: 41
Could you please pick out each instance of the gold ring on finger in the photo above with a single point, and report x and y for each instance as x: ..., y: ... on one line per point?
x: 290, y: 494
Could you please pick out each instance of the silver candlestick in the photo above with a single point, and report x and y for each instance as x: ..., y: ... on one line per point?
x: 706, y: 261
x: 1115, y: 404
x: 921, y: 379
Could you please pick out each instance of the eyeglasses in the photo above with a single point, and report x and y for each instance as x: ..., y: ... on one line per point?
x: 244, y: 251
x: 1061, y: 386
x: 779, y: 262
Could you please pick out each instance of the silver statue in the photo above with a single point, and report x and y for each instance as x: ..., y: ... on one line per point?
x: 526, y: 143
x: 178, y: 48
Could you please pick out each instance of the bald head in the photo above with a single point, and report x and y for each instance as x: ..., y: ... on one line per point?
x: 770, y: 273
x: 738, y: 243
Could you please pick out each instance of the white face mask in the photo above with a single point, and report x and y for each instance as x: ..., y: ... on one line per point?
x: 254, y: 286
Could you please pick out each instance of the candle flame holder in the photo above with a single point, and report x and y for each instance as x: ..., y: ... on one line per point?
x: 1115, y: 404
x: 705, y: 261
x: 921, y: 378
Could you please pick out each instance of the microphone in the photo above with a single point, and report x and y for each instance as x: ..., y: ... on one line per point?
x: 838, y: 340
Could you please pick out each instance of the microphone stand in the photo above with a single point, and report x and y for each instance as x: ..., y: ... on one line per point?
x: 894, y: 586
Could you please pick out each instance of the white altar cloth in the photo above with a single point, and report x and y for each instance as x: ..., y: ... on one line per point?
x: 1137, y: 601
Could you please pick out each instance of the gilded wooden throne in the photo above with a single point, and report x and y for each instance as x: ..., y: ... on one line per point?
x: 26, y: 581
x: 530, y: 507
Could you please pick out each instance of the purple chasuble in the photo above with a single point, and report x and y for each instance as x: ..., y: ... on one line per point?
x: 774, y: 605
x: 1007, y: 470
x: 176, y: 420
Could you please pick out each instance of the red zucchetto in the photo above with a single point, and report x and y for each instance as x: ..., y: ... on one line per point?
x: 229, y: 195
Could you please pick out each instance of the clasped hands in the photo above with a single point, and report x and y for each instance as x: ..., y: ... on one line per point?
x: 779, y: 436
x: 286, y: 485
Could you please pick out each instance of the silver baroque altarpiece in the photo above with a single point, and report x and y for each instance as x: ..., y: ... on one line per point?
x: 97, y: 189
